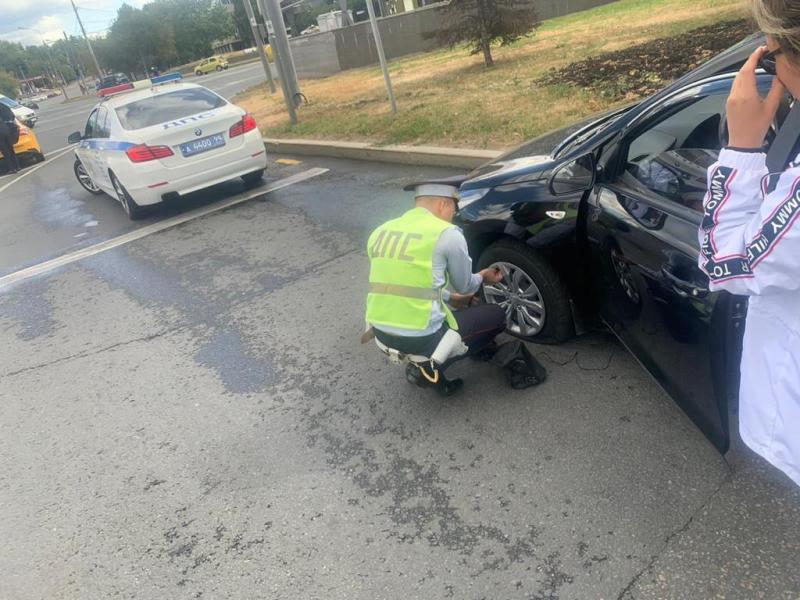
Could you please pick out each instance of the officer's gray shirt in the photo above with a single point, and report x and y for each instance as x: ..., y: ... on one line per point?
x: 451, y: 263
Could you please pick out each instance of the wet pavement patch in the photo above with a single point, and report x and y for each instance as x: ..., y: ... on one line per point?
x: 239, y: 372
x: 31, y: 309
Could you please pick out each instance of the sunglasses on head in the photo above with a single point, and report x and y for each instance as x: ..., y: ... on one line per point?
x: 769, y: 61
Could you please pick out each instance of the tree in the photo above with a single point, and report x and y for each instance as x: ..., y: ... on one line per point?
x: 243, y: 23
x: 8, y: 85
x: 481, y: 23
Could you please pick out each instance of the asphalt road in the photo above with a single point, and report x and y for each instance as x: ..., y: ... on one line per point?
x: 187, y: 413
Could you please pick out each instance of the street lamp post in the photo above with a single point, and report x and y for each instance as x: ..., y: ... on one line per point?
x: 50, y: 58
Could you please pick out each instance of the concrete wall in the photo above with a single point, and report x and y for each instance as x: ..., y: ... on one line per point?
x: 549, y: 9
x: 402, y: 34
x: 324, y: 54
x: 315, y: 55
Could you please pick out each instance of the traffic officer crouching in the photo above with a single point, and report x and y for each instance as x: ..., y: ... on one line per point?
x: 413, y: 260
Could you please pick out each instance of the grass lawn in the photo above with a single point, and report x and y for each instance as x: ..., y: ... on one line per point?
x: 448, y: 98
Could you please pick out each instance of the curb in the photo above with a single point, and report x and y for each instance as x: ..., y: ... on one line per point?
x: 424, y: 156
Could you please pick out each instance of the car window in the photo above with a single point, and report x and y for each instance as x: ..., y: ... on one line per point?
x: 101, y: 126
x: 671, y: 157
x: 8, y: 102
x: 91, y: 123
x: 167, y: 107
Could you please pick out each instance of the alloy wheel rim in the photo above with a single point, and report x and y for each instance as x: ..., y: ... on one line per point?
x: 85, y: 180
x: 123, y: 198
x: 521, y: 299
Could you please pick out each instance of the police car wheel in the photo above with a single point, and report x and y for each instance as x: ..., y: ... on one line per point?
x: 83, y: 178
x: 133, y: 210
x: 534, y: 297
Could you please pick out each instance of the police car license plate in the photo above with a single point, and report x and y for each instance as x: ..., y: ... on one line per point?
x: 203, y: 144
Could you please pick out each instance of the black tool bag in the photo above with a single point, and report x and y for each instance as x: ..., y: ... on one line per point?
x: 521, y: 367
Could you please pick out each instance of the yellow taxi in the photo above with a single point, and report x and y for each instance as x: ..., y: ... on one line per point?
x: 27, y: 147
x: 215, y: 63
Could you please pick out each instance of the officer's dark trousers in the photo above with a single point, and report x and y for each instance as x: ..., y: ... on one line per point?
x: 7, y: 148
x: 477, y: 325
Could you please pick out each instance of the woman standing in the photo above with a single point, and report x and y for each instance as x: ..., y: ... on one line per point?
x: 750, y: 242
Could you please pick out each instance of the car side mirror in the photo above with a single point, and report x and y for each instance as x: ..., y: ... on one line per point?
x: 74, y: 138
x: 575, y: 176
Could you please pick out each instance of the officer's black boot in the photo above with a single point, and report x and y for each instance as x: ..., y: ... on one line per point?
x: 448, y: 387
x: 414, y: 376
x: 444, y: 387
x: 486, y: 353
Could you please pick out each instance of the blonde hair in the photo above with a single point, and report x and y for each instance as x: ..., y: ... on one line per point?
x: 779, y: 19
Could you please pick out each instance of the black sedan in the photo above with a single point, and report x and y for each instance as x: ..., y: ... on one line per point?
x: 606, y: 226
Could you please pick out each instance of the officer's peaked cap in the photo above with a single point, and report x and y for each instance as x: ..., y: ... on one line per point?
x: 446, y: 187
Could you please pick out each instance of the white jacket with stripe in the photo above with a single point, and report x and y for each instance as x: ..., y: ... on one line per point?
x: 750, y: 245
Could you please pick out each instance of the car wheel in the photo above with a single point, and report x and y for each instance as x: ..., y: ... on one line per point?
x: 84, y: 179
x: 198, y: 72
x: 133, y: 210
x: 534, y: 297
x: 219, y: 68
x: 254, y: 178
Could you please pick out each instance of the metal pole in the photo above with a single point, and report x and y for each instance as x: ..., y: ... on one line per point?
x: 281, y: 45
x: 25, y: 80
x: 56, y: 72
x: 73, y: 61
x: 88, y: 43
x: 346, y: 20
x: 283, y: 55
x: 287, y: 92
x: 381, y: 57
x: 260, y: 44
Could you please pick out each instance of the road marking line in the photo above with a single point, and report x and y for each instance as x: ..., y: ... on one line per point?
x: 34, y: 169
x: 138, y: 234
x: 231, y: 83
x: 60, y: 149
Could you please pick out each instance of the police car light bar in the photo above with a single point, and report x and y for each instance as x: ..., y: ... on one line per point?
x: 124, y: 87
x: 166, y: 78
x: 153, y: 81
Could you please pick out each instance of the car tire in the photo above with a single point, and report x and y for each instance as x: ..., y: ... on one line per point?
x: 133, y: 210
x: 219, y: 68
x: 83, y: 178
x: 198, y: 72
x: 543, y: 314
x: 254, y: 178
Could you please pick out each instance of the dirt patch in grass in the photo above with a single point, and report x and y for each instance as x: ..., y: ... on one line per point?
x: 644, y: 69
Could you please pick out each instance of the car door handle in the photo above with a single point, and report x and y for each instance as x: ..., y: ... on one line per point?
x: 684, y: 289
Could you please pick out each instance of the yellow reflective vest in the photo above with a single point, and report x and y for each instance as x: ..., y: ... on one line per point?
x: 401, y: 290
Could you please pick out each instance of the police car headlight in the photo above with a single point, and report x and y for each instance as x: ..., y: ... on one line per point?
x: 470, y: 196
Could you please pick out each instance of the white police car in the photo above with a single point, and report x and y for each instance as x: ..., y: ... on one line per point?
x: 142, y: 146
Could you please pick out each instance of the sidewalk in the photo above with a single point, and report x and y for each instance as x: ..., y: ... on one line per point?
x: 430, y: 156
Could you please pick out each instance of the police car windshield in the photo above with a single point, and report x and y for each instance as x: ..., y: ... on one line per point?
x: 163, y: 108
